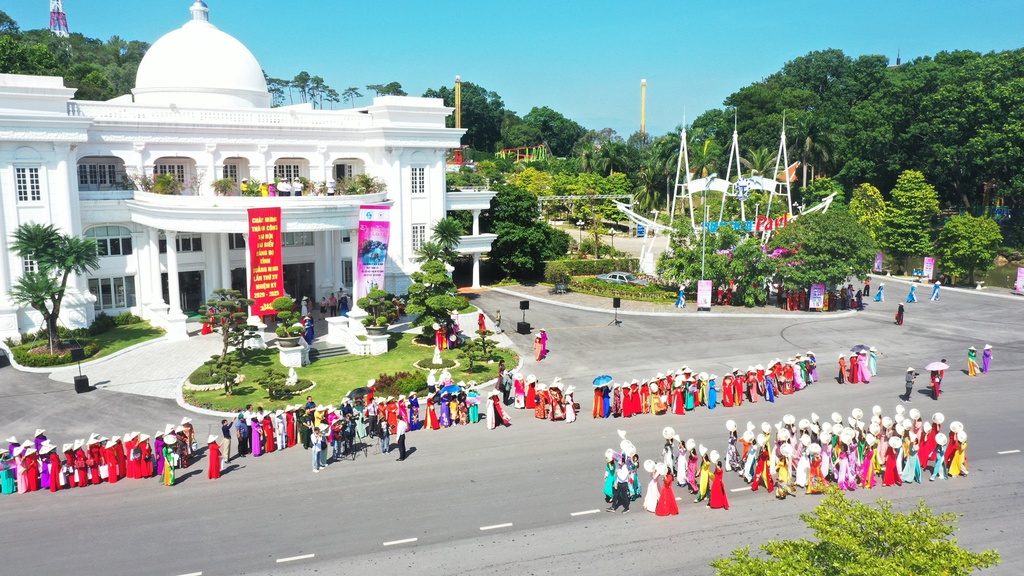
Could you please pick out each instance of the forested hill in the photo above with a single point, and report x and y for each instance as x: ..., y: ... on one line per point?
x: 99, y: 70
x: 957, y: 117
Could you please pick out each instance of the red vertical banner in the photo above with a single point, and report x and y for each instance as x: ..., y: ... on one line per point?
x: 267, y: 282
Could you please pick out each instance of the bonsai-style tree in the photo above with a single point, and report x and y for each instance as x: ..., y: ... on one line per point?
x: 485, y: 342
x: 227, y: 370
x: 228, y: 311
x: 288, y: 317
x: 473, y: 351
x: 56, y: 256
x: 433, y: 295
x: 379, y: 306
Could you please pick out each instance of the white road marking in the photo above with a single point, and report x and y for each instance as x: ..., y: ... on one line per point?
x: 739, y: 490
x: 406, y: 541
x: 506, y: 525
x: 678, y: 499
x: 1008, y: 452
x: 193, y: 574
x: 594, y: 511
x: 293, y: 558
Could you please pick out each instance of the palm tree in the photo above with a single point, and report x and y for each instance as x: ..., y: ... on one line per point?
x: 429, y: 251
x: 56, y: 255
x: 448, y: 234
x: 760, y: 161
x: 813, y: 144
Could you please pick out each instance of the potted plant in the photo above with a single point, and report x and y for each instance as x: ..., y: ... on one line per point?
x: 379, y: 306
x: 290, y: 330
x: 224, y: 186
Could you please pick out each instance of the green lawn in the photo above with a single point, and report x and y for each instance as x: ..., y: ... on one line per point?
x: 124, y: 336
x: 336, y: 376
x: 111, y: 341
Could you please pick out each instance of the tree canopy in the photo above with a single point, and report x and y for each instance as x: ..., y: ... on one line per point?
x: 825, y: 247
x: 853, y: 538
x: 968, y: 245
x: 908, y: 219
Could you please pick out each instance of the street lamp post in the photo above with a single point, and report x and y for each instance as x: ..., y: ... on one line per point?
x: 579, y: 224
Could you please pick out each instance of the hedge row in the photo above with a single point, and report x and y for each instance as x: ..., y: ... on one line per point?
x: 561, y: 270
x: 23, y: 356
x: 649, y: 293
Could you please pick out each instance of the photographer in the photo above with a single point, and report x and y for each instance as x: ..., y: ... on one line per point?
x: 911, y: 376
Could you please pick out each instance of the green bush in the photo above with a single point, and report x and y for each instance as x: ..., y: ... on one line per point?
x: 24, y: 356
x: 649, y: 293
x: 399, y: 383
x: 561, y: 270
x: 126, y: 318
x: 102, y: 324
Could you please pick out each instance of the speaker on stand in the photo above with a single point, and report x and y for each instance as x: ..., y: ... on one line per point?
x: 616, y: 304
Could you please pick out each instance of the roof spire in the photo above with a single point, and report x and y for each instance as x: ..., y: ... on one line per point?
x: 200, y: 11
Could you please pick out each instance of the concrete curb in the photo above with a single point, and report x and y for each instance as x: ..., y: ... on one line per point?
x: 823, y: 316
x: 84, y: 365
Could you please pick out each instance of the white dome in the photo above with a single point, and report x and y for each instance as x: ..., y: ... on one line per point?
x: 197, y: 65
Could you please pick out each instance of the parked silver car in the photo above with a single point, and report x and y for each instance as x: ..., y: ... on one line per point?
x: 622, y: 278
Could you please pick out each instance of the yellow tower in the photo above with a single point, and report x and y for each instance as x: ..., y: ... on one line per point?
x: 458, y: 101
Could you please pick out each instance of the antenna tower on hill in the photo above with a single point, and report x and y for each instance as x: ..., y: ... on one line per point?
x: 58, y: 20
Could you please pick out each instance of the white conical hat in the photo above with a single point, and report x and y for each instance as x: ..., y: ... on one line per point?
x: 895, y: 443
x: 914, y: 413
x: 804, y: 424
x: 805, y: 440
x: 961, y: 436
x: 858, y: 413
x: 941, y: 439
x: 702, y: 449
x: 761, y: 439
x: 748, y: 436
x: 609, y: 454
x: 690, y: 444
x: 783, y: 435
x: 938, y: 418
x: 661, y: 468
x: 40, y: 431
x: 876, y: 409
x: 786, y: 450
x: 668, y: 433
x: 730, y: 425
x: 714, y: 456
x: 211, y: 439
x: 837, y: 418
x: 789, y: 419
x: 750, y: 426
x: 649, y: 466
x: 766, y: 427
x: 185, y: 420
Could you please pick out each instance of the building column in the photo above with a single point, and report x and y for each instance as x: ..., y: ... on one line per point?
x: 339, y: 262
x: 476, y: 270
x: 173, y: 288
x: 225, y: 260
x: 476, y: 222
x: 155, y: 294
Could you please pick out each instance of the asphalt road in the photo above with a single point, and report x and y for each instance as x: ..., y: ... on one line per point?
x: 520, y: 500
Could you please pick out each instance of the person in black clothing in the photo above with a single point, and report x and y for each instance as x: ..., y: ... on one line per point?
x: 242, y: 433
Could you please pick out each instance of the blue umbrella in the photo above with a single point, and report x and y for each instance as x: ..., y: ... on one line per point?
x: 451, y: 389
x: 602, y: 381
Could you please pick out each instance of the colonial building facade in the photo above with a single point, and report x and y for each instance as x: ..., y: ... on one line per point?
x: 200, y: 112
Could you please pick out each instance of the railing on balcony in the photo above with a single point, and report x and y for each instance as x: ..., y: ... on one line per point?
x: 106, y: 194
x: 260, y: 117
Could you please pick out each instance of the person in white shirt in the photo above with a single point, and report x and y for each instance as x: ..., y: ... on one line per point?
x: 284, y: 188
x: 401, y: 429
x: 296, y: 187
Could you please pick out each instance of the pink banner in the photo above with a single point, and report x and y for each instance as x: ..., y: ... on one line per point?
x: 704, y: 294
x: 1020, y: 280
x: 929, y: 267
x: 878, y: 262
x: 817, y: 300
x: 374, y: 235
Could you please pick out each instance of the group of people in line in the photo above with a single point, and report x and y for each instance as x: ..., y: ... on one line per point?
x: 554, y: 401
x: 687, y: 464
x: 684, y: 390
x: 37, y: 464
x: 812, y: 454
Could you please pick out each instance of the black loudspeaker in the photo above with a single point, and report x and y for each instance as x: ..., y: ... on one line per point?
x: 616, y: 302
x: 5, y: 361
x: 524, y: 304
x: 523, y: 327
x: 81, y: 384
x: 77, y: 354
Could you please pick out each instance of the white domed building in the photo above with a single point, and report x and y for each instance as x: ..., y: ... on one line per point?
x: 200, y: 114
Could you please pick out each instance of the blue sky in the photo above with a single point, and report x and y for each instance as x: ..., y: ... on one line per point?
x: 583, y: 59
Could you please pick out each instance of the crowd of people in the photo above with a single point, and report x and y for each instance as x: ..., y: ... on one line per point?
x: 37, y: 464
x: 812, y: 454
x: 685, y: 464
x: 684, y: 390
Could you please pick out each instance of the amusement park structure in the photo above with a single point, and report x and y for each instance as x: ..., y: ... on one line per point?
x: 58, y: 20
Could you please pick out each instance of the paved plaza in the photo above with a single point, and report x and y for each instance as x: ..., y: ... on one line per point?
x: 519, y: 500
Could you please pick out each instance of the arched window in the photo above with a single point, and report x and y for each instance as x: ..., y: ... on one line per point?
x: 111, y: 240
